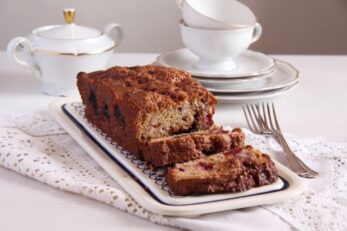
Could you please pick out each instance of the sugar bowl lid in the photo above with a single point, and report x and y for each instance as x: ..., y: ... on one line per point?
x: 70, y: 30
x: 74, y: 39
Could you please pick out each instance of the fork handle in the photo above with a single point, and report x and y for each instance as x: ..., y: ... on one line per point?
x: 295, y: 163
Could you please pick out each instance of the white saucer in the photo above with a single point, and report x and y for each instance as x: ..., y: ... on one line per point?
x: 251, y: 97
x: 283, y: 76
x: 235, y: 83
x: 250, y: 64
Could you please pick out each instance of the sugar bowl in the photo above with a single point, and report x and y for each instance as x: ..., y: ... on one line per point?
x: 56, y: 53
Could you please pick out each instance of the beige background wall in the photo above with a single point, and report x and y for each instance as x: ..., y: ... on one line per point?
x: 290, y: 26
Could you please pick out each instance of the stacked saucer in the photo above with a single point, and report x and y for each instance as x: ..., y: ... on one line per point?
x: 257, y: 76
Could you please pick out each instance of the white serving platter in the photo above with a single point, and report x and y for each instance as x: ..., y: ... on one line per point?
x: 147, y: 185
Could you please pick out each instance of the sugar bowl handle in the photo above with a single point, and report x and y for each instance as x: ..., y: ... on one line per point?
x: 115, y: 31
x: 257, y: 32
x: 25, y: 44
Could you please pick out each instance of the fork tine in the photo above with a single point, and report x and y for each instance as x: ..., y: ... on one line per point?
x: 253, y: 119
x: 266, y: 120
x: 270, y: 117
x: 251, y: 123
x: 261, y: 119
x: 275, y: 117
x: 256, y: 116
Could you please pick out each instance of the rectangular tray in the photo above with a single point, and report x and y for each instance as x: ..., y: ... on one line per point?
x: 147, y: 185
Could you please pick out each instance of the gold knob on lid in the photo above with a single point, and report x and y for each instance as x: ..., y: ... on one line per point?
x: 69, y: 15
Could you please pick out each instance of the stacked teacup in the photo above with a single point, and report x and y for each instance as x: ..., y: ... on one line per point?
x: 217, y: 31
x: 217, y: 34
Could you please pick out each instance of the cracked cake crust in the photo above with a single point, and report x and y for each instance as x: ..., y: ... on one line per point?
x: 135, y: 104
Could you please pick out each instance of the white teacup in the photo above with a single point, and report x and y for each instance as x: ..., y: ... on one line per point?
x: 216, y: 14
x: 217, y: 48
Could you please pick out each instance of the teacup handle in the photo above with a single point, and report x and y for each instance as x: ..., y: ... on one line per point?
x: 257, y: 32
x: 115, y: 31
x: 12, y: 53
x: 179, y: 3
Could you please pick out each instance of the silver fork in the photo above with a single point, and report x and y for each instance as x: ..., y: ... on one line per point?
x: 262, y: 119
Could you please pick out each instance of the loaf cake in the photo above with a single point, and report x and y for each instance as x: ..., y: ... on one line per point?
x: 163, y: 116
x: 181, y: 148
x: 133, y: 105
x: 230, y: 171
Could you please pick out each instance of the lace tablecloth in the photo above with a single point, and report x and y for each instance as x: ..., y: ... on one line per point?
x: 34, y: 145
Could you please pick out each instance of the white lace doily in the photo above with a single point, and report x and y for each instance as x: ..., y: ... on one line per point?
x: 35, y: 145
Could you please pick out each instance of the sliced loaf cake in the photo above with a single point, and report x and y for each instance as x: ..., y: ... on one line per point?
x: 190, y: 146
x: 230, y: 171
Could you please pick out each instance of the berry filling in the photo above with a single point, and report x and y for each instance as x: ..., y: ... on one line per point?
x: 206, y: 166
x: 233, y: 152
x: 105, y: 112
x: 208, y: 116
x: 93, y: 102
x: 119, y: 116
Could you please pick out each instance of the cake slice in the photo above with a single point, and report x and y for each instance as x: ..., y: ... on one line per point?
x: 229, y: 171
x: 135, y: 104
x: 190, y: 146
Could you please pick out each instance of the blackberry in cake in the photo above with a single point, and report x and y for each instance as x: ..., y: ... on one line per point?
x: 189, y: 146
x: 229, y: 171
x: 133, y: 105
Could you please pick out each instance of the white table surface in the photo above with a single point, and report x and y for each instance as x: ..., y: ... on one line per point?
x: 317, y: 107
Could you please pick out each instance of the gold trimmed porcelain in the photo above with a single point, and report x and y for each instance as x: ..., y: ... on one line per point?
x: 55, y: 54
x: 94, y: 52
x: 48, y: 52
x: 185, y: 60
x: 235, y: 26
x: 284, y: 75
x: 207, y: 14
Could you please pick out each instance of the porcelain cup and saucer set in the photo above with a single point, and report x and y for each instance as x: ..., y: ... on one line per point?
x: 56, y: 53
x: 217, y: 35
